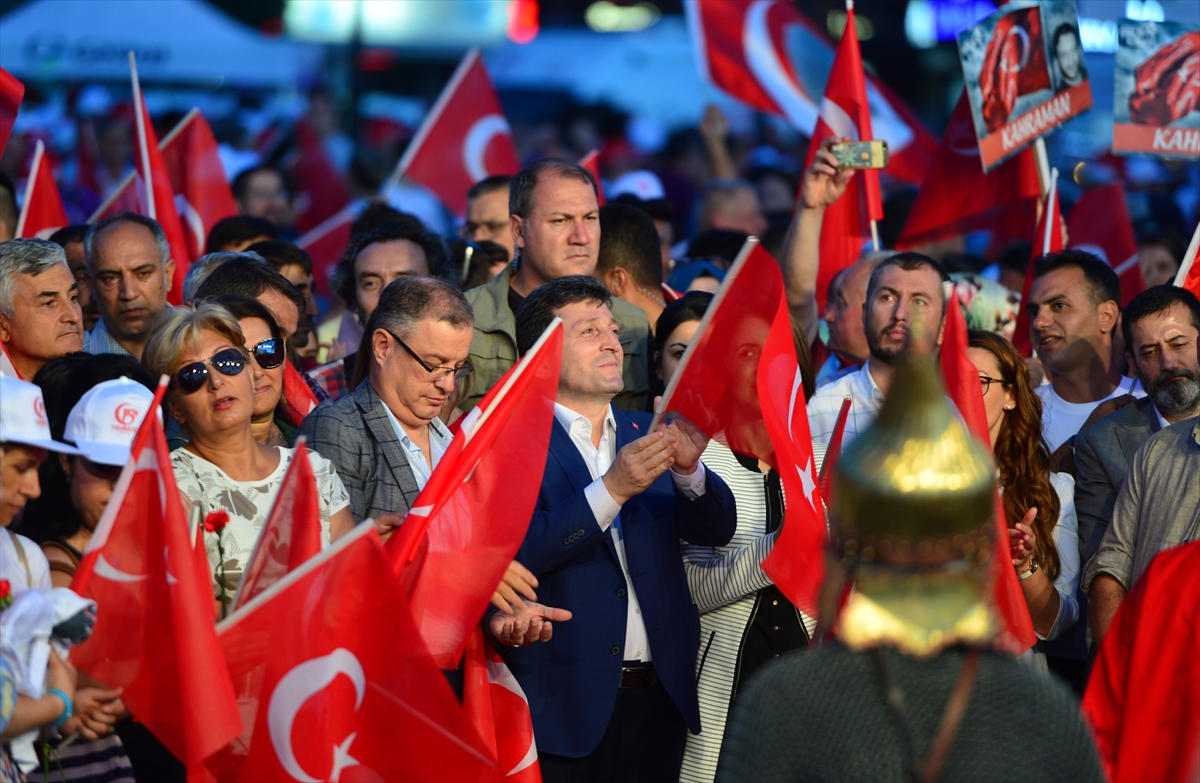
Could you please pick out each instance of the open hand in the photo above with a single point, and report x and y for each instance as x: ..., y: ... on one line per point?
x: 639, y: 463
x: 824, y: 183
x: 529, y: 622
x: 690, y: 444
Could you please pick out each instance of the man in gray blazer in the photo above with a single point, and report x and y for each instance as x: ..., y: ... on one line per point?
x: 385, y: 438
x: 1160, y: 326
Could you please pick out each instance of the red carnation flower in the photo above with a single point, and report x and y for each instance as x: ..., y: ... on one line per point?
x: 216, y: 521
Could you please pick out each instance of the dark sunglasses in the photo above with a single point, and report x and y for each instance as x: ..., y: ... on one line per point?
x: 229, y: 362
x: 269, y: 353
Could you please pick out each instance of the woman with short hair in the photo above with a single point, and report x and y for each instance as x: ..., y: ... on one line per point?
x: 223, y: 468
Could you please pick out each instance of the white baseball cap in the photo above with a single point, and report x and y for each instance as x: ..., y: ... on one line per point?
x: 644, y: 184
x: 23, y: 416
x: 105, y: 420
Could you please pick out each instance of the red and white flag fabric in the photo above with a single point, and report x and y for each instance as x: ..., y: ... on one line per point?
x: 291, y: 534
x: 739, y: 383
x: 1047, y: 239
x: 499, y: 711
x: 470, y: 519
x: 465, y: 138
x: 957, y: 197
x: 1014, y: 64
x: 961, y: 379
x: 326, y: 243
x: 834, y: 450
x: 591, y: 162
x: 1099, y: 223
x: 11, y: 94
x: 1189, y: 271
x: 42, y: 211
x: 197, y: 176
x: 750, y: 48
x: 156, y: 639
x: 322, y: 187
x: 845, y: 113
x: 335, y: 683
x: 299, y: 400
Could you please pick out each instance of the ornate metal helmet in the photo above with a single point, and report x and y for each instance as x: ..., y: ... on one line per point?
x: 912, y: 513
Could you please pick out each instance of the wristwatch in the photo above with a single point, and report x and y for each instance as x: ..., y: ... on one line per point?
x: 1033, y: 566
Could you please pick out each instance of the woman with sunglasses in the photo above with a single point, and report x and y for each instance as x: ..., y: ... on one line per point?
x: 223, y: 468
x: 267, y: 349
x: 1039, y: 504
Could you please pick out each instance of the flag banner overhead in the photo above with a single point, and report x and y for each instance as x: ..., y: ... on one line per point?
x: 157, y: 639
x: 335, y: 684
x: 1156, y: 89
x: 770, y: 56
x: 11, y: 93
x: 465, y: 138
x: 958, y: 197
x: 1099, y: 223
x: 739, y: 382
x: 42, y: 210
x: 467, y: 524
x: 1025, y: 75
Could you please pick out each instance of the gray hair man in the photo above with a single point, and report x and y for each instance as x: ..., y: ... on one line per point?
x: 132, y: 271
x: 40, y: 318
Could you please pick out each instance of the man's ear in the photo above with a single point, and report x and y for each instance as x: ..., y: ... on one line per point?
x: 169, y: 271
x: 516, y: 223
x: 380, y: 346
x: 617, y: 280
x: 5, y: 329
x: 1110, y: 316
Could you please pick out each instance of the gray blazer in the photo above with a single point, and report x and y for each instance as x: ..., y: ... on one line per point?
x: 1103, y: 453
x: 354, y: 433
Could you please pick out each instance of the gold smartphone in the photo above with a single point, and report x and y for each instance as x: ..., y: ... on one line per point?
x: 860, y: 154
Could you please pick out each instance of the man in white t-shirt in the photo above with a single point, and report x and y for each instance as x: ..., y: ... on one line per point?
x: 1074, y: 315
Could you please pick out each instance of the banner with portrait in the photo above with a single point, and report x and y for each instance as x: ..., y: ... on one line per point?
x: 1025, y: 74
x: 1156, y: 102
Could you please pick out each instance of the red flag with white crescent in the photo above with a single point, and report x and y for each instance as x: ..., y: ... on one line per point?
x: 465, y: 138
x: 499, y: 710
x: 42, y: 211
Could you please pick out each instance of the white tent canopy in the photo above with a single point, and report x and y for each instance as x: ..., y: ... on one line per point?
x: 175, y: 41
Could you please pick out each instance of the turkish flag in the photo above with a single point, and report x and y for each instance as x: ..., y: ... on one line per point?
x: 1014, y: 64
x: 499, y: 710
x: 465, y: 138
x: 326, y: 243
x: 299, y: 400
x: 155, y: 637
x: 335, y: 683
x: 833, y: 451
x: 1047, y: 239
x: 197, y: 176
x: 468, y: 523
x: 1143, y: 696
x: 1099, y: 223
x: 739, y: 382
x: 961, y: 379
x: 11, y: 93
x: 591, y: 162
x: 957, y: 197
x: 1188, y: 275
x: 42, y: 211
x: 845, y: 113
x: 292, y: 533
x: 1167, y: 84
x: 752, y: 50
x: 325, y: 192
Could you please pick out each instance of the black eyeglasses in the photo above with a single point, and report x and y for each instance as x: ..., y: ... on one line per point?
x: 269, y: 353
x: 229, y: 362
x: 435, y: 373
x: 986, y: 382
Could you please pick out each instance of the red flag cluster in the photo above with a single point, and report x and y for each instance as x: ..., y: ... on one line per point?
x: 42, y: 211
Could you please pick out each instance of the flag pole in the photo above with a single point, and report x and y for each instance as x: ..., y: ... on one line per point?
x: 143, y: 145
x: 1189, y: 257
x: 38, y: 152
x: 162, y: 143
x: 875, y: 236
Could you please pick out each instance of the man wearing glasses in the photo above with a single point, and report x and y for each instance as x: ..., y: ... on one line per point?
x: 385, y: 438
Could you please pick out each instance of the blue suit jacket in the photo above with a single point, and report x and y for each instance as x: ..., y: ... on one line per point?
x: 572, y: 680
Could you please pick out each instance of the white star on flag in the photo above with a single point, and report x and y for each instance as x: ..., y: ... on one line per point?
x: 809, y: 482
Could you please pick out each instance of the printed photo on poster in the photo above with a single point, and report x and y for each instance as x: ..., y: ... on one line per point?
x: 1025, y: 74
x: 1156, y: 102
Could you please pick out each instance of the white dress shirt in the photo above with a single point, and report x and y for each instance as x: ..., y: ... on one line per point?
x: 865, y: 401
x: 439, y: 441
x: 607, y: 510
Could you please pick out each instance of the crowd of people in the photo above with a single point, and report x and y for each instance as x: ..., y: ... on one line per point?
x: 636, y: 616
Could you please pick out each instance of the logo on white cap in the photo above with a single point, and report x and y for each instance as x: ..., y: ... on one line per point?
x: 105, y: 420
x: 39, y: 411
x: 127, y: 418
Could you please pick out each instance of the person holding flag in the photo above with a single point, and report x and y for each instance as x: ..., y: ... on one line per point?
x: 616, y: 689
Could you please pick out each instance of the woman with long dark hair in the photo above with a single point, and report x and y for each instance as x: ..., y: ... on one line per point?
x: 1039, y: 504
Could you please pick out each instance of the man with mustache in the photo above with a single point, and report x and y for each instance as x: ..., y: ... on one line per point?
x: 131, y: 267
x: 903, y: 310
x: 1121, y: 529
x: 40, y: 317
x: 1074, y: 312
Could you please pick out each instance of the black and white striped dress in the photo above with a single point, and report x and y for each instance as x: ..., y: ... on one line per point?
x: 724, y: 582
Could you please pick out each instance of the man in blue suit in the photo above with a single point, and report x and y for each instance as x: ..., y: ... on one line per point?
x: 613, y: 692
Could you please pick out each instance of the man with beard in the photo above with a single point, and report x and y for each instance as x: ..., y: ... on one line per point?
x: 1158, y: 505
x: 1161, y: 326
x: 903, y: 311
x: 1074, y: 313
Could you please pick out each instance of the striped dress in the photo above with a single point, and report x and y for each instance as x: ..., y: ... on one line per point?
x: 724, y: 582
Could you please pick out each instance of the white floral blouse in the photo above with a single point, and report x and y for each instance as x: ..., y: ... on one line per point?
x: 248, y: 504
